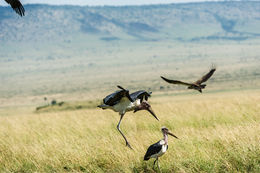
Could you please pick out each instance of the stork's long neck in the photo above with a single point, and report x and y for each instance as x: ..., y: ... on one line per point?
x: 165, y: 138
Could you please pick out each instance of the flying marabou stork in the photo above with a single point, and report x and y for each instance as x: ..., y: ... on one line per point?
x: 121, y: 101
x: 159, y: 148
x: 17, y: 6
x: 195, y: 85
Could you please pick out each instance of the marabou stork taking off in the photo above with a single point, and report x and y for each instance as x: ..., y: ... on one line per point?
x: 195, y: 85
x: 159, y: 148
x: 121, y: 101
x: 17, y: 6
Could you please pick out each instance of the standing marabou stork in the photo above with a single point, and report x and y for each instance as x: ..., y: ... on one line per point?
x: 159, y: 148
x: 120, y: 101
x: 17, y: 6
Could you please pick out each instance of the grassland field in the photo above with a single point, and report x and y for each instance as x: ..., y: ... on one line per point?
x: 218, y: 132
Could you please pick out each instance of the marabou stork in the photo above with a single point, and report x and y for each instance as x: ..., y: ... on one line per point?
x: 159, y: 148
x: 17, y: 6
x: 121, y: 101
x: 195, y: 85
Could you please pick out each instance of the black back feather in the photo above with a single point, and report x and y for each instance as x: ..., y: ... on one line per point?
x: 142, y: 94
x: 153, y: 149
x: 115, y: 97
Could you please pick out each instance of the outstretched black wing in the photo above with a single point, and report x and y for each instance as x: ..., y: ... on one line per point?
x: 142, y: 94
x: 115, y: 97
x: 17, y: 6
x: 153, y: 149
x: 206, y: 76
x: 175, y: 81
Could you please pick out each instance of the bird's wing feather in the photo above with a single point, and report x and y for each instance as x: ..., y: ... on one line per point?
x: 140, y: 95
x: 175, y: 81
x: 206, y: 76
x: 17, y: 6
x: 115, y: 97
x: 153, y: 149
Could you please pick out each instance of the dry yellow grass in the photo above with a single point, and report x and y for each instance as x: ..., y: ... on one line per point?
x: 218, y: 133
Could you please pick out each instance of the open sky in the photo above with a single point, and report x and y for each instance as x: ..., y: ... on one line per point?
x: 105, y: 2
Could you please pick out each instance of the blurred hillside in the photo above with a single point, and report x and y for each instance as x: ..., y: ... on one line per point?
x: 183, y: 22
x: 82, y: 50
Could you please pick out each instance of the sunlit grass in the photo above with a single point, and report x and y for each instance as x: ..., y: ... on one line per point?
x: 217, y: 132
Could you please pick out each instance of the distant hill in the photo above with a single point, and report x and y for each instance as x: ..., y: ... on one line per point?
x: 183, y: 22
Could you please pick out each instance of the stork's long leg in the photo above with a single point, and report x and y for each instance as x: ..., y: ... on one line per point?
x: 158, y: 165
x: 154, y: 162
x: 118, y: 128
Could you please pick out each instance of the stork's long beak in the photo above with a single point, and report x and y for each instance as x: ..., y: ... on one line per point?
x: 169, y: 133
x: 152, y: 112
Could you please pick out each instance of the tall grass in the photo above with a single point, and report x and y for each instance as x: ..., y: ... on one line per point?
x: 218, y: 133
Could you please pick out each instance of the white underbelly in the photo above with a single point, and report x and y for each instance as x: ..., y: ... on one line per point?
x: 123, y: 106
x: 163, y: 150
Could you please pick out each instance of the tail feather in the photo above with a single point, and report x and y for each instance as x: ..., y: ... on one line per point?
x: 146, y: 157
x: 103, y: 106
x: 118, y: 86
x: 203, y: 86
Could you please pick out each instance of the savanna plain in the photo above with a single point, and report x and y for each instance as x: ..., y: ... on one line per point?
x: 218, y: 132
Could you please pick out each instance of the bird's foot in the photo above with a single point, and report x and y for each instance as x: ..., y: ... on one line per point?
x: 128, y: 145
